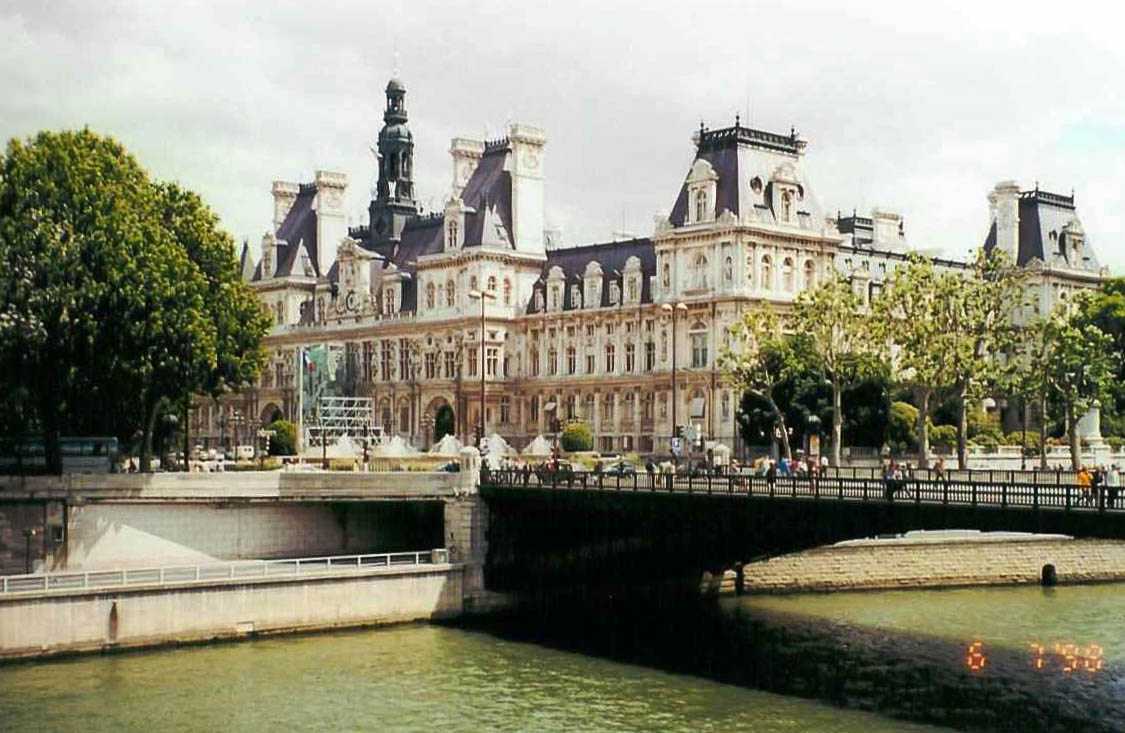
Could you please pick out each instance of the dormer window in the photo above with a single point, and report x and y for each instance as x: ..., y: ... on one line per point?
x: 633, y: 290
x: 614, y: 293
x: 701, y: 188
x: 389, y: 301
x: 451, y: 232
x: 575, y: 296
x: 553, y: 301
x: 786, y: 206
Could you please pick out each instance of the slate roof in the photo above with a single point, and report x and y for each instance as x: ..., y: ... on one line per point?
x: 1043, y: 218
x: 489, y: 186
x: 298, y: 231
x: 611, y: 256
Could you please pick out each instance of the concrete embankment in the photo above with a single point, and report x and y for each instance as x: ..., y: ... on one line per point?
x: 935, y: 561
x: 40, y: 624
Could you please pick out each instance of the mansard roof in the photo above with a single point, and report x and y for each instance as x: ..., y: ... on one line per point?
x: 746, y: 162
x: 298, y: 232
x: 490, y: 186
x: 611, y: 256
x: 1046, y: 222
x: 246, y: 265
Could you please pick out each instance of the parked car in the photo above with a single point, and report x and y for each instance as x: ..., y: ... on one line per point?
x: 621, y: 469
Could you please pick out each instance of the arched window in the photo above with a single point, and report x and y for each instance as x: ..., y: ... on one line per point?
x: 700, y: 271
x: 750, y: 271
x: 787, y: 273
x: 588, y: 407
x: 430, y: 295
x: 607, y: 408
x: 728, y: 270
x: 507, y: 291
x: 492, y: 283
x: 630, y: 358
x: 473, y: 283
x: 666, y: 276
x: 571, y: 407
x: 450, y: 293
x: 700, y: 205
x: 810, y: 274
x: 766, y: 281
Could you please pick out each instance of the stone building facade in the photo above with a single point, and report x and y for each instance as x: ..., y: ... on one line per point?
x: 623, y: 334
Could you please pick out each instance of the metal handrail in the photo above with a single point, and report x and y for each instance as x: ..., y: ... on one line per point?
x: 840, y: 487
x: 205, y: 573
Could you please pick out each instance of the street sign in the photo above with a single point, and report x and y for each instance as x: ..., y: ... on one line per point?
x: 677, y: 446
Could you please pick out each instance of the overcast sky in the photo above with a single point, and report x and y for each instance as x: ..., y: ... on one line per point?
x: 918, y: 108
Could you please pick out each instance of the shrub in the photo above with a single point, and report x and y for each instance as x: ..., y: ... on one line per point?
x: 902, y: 428
x: 576, y: 436
x: 283, y: 442
x: 985, y: 440
x: 1115, y: 442
x: 943, y: 437
x: 1029, y: 441
x: 981, y: 423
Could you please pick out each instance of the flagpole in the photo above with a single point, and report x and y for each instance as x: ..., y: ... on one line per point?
x: 300, y: 400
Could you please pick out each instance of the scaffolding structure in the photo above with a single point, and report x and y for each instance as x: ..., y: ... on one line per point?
x: 337, y: 417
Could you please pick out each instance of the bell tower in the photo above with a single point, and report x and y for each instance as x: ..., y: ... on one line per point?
x: 394, y: 201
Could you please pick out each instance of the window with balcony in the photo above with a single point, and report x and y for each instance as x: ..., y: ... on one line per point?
x: 698, y: 346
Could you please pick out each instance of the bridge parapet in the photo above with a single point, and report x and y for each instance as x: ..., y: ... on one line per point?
x: 236, y: 486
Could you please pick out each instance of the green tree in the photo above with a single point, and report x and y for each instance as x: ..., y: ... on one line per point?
x: 1106, y: 309
x: 117, y: 299
x: 758, y: 361
x: 902, y: 428
x: 576, y: 436
x: 283, y: 442
x: 907, y: 317
x: 832, y: 317
x: 976, y: 317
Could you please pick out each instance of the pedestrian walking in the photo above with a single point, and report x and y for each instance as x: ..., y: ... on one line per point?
x: 1113, y: 484
x: 1085, y: 478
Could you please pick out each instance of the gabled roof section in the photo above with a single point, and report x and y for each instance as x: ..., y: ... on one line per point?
x: 246, y: 265
x: 298, y: 230
x: 612, y: 257
x: 1049, y: 231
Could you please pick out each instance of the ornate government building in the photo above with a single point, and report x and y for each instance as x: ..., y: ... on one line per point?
x: 622, y: 334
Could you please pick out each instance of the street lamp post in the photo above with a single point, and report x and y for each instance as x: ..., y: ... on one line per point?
x: 672, y: 308
x: 482, y: 296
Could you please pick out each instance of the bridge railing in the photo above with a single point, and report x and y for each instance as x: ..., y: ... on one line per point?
x: 211, y: 572
x: 1043, y: 477
x: 949, y: 491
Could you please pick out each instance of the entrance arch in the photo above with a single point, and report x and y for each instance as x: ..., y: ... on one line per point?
x: 271, y: 413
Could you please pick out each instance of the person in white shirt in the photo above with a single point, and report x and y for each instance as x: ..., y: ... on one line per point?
x: 1113, y: 484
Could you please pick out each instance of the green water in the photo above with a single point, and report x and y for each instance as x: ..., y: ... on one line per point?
x: 1012, y: 617
x: 412, y: 678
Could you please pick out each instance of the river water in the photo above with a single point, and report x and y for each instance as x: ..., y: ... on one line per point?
x: 428, y: 678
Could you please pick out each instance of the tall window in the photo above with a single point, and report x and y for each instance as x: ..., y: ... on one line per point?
x: 591, y: 367
x: 474, y: 356
x: 728, y: 270
x: 588, y: 407
x: 505, y: 409
x: 571, y: 407
x: 630, y: 358
x: 450, y: 294
x: 607, y: 408
x: 700, y: 205
x: 571, y: 360
x: 698, y: 346
x: 389, y: 301
x: 451, y: 234
x: 767, y: 273
x: 632, y: 290
x: 473, y: 282
x: 450, y: 364
x: 666, y: 276
x: 610, y: 354
x: 787, y: 273
x: 533, y: 362
x: 507, y: 291
x: 491, y: 360
x: 552, y: 361
x: 533, y: 410
x: 368, y: 358
x: 403, y: 416
x: 430, y: 295
x: 492, y: 283
x: 726, y: 404
x: 431, y: 365
x: 650, y: 356
x: 386, y: 363
x: 786, y: 206
x: 404, y: 359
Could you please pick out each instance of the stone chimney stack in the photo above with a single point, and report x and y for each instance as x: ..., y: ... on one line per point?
x: 526, y: 168
x: 331, y: 219
x: 284, y: 194
x: 1004, y: 204
x: 887, y: 226
x: 466, y: 155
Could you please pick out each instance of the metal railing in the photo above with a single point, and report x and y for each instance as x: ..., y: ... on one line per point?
x: 947, y: 491
x: 210, y: 572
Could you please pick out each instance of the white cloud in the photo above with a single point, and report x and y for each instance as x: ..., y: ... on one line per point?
x: 919, y: 108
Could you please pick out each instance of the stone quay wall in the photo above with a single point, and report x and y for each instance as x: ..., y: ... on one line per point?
x: 883, y: 564
x: 47, y: 623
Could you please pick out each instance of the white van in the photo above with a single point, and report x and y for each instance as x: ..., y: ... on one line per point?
x: 244, y: 453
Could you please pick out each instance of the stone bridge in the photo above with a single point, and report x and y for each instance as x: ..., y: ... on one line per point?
x: 565, y: 530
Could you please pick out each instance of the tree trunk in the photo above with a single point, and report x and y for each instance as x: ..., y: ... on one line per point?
x: 146, y: 438
x: 780, y: 417
x: 837, y: 422
x: 1043, y: 432
x: 187, y: 435
x: 923, y: 429
x: 962, y: 427
x: 1072, y: 431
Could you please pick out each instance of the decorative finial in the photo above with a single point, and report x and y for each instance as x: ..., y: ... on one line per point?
x: 394, y: 70
x: 792, y: 131
x: 701, y: 126
x: 737, y: 120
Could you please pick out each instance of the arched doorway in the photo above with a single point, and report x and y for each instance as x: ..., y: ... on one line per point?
x: 444, y: 422
x: 271, y: 413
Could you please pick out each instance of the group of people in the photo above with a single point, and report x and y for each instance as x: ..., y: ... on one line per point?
x: 1092, y: 482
